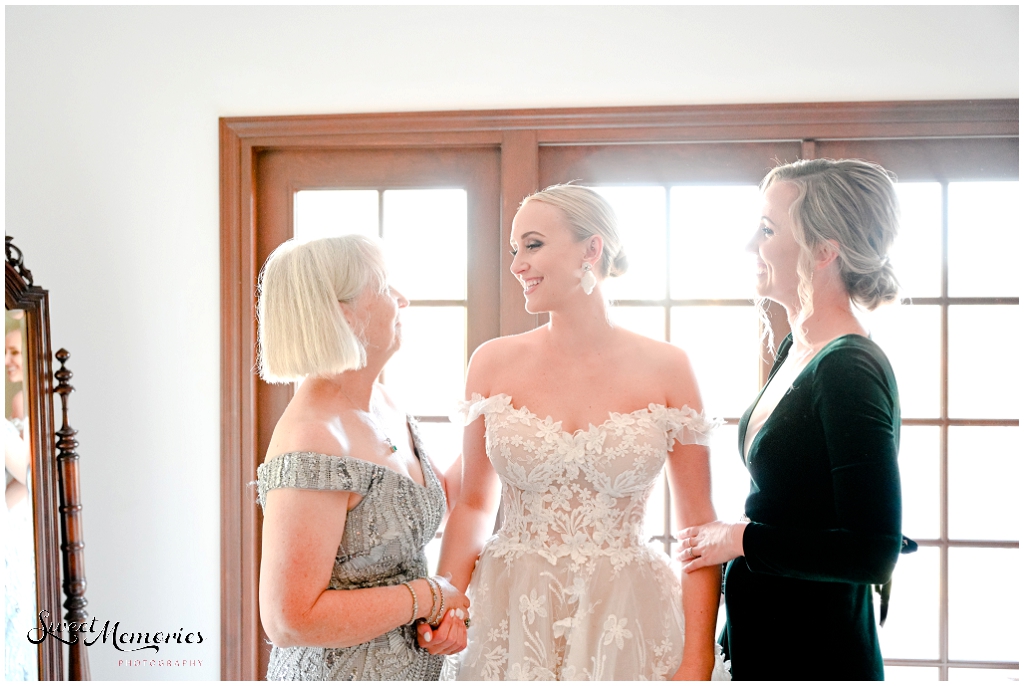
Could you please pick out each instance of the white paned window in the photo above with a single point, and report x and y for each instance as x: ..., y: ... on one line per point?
x: 425, y: 235
x: 689, y: 275
x: 952, y: 343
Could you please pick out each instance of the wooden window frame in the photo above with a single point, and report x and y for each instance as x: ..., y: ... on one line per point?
x: 518, y: 135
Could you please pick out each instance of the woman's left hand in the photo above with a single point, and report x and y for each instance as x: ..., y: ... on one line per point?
x: 710, y: 544
x: 448, y: 637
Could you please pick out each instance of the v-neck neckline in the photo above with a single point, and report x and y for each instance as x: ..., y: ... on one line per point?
x: 787, y: 343
x: 784, y: 350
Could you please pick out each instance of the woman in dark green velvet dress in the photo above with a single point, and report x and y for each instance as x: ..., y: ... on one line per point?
x: 820, y: 441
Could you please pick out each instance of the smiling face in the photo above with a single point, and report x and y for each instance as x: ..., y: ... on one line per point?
x: 776, y: 248
x: 548, y: 258
x: 13, y: 358
x: 374, y: 317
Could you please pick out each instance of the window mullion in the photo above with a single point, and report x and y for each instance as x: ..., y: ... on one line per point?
x: 668, y: 337
x: 944, y: 443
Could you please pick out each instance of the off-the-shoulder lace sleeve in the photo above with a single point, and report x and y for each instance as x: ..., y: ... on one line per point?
x: 684, y: 424
x: 467, y: 411
x: 314, y: 471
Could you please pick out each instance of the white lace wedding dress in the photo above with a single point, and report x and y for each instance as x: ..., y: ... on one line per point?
x: 569, y: 588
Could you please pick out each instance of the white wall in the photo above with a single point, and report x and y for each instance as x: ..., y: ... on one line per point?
x: 112, y: 193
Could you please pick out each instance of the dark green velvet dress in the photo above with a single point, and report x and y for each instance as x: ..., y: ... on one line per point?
x: 824, y: 510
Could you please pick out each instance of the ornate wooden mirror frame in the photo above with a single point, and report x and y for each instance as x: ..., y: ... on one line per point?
x: 22, y: 294
x: 55, y: 501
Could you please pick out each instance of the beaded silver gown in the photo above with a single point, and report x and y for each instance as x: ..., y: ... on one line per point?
x: 382, y: 545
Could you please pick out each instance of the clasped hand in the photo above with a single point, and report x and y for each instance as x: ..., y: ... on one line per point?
x: 449, y: 636
x: 710, y: 544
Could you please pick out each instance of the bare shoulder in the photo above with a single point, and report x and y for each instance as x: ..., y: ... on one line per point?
x: 491, y: 359
x: 669, y: 368
x: 663, y: 357
x: 304, y: 428
x: 496, y: 348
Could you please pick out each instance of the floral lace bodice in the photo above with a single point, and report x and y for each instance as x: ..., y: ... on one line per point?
x: 568, y: 587
x: 583, y: 494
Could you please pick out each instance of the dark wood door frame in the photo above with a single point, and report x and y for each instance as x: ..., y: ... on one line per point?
x: 518, y: 135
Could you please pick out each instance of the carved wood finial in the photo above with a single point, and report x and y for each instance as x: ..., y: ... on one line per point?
x: 73, y: 546
x: 15, y: 259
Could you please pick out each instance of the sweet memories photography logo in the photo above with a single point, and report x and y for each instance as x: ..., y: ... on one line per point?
x: 92, y: 631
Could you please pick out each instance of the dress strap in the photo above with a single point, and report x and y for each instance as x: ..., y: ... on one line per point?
x: 467, y: 411
x: 684, y: 424
x: 314, y: 471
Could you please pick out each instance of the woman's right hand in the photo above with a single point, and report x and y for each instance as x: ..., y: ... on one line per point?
x: 713, y: 543
x: 449, y: 636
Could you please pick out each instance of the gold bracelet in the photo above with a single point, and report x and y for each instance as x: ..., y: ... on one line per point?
x: 440, y: 612
x: 434, y: 590
x: 415, y: 602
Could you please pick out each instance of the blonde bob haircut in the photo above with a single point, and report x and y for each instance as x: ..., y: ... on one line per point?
x: 302, y: 331
x: 588, y: 214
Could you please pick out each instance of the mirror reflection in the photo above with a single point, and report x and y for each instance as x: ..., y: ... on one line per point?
x: 19, y: 544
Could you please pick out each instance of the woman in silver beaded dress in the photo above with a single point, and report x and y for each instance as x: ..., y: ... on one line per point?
x: 349, y: 497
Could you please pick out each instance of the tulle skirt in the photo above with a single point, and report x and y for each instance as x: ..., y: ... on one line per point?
x: 595, y: 618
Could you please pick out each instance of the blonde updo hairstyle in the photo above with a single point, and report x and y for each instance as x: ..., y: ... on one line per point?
x: 853, y: 204
x: 588, y: 214
x: 302, y: 331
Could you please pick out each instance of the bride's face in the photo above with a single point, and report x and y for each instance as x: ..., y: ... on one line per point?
x: 12, y: 357
x: 548, y: 258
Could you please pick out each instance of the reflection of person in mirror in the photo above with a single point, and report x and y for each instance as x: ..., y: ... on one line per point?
x: 19, y: 546
x: 349, y: 497
x: 15, y: 440
x: 572, y: 423
x: 15, y: 371
x: 820, y: 441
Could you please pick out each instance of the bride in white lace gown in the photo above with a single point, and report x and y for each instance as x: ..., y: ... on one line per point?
x: 571, y: 424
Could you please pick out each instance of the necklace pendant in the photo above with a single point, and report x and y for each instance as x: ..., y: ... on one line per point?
x: 394, y: 448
